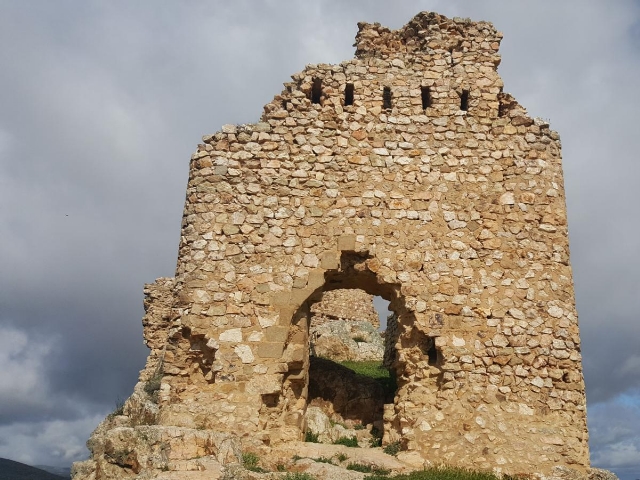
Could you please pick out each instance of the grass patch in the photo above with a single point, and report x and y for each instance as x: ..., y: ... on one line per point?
x: 342, y: 457
x: 376, y: 371
x: 393, y: 448
x: 298, y: 476
x: 441, y: 473
x: 347, y: 441
x: 360, y: 467
x: 323, y: 460
x: 311, y: 437
x: 364, y: 468
x: 250, y: 462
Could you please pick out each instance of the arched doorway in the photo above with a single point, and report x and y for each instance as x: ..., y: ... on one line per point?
x: 347, y: 397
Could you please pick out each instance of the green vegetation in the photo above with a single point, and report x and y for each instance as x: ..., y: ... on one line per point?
x: 250, y: 462
x: 440, y: 473
x: 119, y: 410
x: 342, y: 457
x: 364, y: 468
x: 347, y: 441
x: 323, y: 460
x: 311, y: 437
x: 376, y: 371
x: 360, y: 467
x: 333, y: 423
x: 298, y: 476
x: 375, y: 442
x: 393, y: 448
x: 152, y: 387
x: 376, y: 438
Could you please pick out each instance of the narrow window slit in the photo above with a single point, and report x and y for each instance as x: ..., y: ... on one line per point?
x: 426, y: 97
x: 464, y: 101
x: 432, y: 355
x: 430, y: 350
x: 348, y: 94
x: 386, y: 98
x: 316, y: 90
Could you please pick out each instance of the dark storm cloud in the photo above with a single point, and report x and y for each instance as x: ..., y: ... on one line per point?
x: 102, y: 104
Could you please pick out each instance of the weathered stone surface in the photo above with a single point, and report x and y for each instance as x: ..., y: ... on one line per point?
x: 344, y: 326
x: 434, y: 190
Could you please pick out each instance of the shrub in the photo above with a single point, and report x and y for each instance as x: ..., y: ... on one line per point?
x: 311, y: 437
x: 347, y: 441
x: 250, y: 462
x: 119, y: 410
x: 342, y: 457
x: 393, y: 448
x: 152, y: 387
x: 360, y: 467
x: 322, y: 460
x: 375, y: 442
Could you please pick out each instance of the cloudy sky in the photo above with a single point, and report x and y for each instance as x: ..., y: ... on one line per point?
x: 102, y: 103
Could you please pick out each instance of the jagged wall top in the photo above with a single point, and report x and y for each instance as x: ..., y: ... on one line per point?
x: 429, y: 33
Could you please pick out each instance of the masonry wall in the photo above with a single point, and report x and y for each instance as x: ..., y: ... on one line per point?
x: 435, y: 190
x: 344, y: 327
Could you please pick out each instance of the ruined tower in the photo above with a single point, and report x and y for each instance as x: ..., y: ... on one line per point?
x: 408, y: 173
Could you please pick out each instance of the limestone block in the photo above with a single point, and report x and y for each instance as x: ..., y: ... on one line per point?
x: 265, y: 384
x: 270, y: 349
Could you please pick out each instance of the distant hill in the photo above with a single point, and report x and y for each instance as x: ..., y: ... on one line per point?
x: 62, y: 471
x: 10, y: 470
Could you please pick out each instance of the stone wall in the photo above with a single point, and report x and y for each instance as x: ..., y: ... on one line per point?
x: 407, y: 173
x: 345, y: 304
x: 344, y: 326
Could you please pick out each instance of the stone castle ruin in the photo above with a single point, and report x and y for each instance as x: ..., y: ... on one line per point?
x: 406, y: 173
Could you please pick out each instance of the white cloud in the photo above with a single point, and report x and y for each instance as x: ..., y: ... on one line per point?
x: 22, y: 382
x: 53, y: 442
